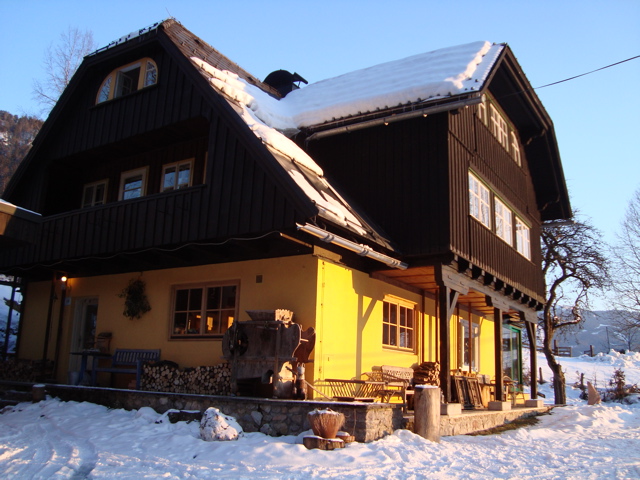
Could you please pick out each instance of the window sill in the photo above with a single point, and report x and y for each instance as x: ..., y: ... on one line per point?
x: 399, y: 349
x: 111, y: 101
x: 196, y: 337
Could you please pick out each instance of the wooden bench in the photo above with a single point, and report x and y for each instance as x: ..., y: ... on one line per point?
x: 354, y: 390
x: 127, y: 361
x: 397, y: 382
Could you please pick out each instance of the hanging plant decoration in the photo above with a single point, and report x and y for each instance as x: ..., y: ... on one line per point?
x: 136, y: 303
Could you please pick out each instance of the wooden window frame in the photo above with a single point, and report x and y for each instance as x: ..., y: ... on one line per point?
x: 523, y: 238
x: 177, y: 331
x: 144, y: 171
x: 468, y: 336
x: 93, y: 185
x: 515, y: 148
x: 499, y: 126
x: 479, y: 207
x: 482, y: 111
x: 110, y: 86
x: 503, y: 221
x: 395, y: 335
x: 177, y: 165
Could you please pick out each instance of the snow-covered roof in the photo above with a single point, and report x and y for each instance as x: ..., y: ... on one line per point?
x: 423, y: 78
x: 420, y: 78
x: 251, y: 103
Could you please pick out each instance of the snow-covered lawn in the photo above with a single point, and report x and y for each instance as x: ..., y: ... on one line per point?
x: 54, y: 439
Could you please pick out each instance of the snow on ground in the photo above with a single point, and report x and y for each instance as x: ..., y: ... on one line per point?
x: 54, y: 439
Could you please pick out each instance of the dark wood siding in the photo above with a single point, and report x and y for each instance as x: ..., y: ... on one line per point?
x: 473, y: 147
x: 236, y: 191
x: 398, y: 175
x: 411, y: 177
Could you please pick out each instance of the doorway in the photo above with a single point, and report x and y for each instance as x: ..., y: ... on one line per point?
x: 84, y: 329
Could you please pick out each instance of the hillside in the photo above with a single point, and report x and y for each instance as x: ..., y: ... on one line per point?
x: 597, y: 330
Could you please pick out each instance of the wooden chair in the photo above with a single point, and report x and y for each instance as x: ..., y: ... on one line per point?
x: 513, y: 390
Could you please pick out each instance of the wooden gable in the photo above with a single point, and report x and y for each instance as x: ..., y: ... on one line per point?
x: 239, y: 188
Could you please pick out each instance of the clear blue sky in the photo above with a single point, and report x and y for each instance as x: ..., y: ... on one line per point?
x: 596, y: 116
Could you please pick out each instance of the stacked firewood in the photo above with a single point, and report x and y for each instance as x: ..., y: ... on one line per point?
x: 167, y: 377
x: 427, y: 373
x: 25, y: 370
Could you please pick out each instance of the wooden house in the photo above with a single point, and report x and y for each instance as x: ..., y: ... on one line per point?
x: 396, y: 210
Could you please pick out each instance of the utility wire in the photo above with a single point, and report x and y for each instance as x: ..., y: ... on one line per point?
x: 587, y: 73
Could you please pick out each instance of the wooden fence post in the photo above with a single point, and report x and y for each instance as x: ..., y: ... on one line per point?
x: 427, y: 412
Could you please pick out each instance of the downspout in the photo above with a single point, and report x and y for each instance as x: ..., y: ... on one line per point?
x: 362, y: 250
x: 424, y: 329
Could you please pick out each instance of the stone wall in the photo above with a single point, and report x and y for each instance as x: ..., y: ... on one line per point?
x: 471, y: 422
x: 365, y: 421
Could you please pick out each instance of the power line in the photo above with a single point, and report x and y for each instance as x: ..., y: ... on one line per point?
x: 587, y: 73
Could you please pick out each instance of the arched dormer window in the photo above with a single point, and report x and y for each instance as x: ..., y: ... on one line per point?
x: 127, y: 79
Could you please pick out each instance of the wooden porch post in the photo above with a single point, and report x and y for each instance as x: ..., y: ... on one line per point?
x: 533, y: 359
x: 499, y: 373
x: 450, y: 286
x: 447, y: 300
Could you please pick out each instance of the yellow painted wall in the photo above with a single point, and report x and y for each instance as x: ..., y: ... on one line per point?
x: 487, y: 347
x: 287, y: 282
x: 33, y: 320
x: 349, y: 324
x: 343, y: 305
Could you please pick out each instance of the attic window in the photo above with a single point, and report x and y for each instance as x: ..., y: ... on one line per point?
x: 128, y: 79
x: 492, y: 117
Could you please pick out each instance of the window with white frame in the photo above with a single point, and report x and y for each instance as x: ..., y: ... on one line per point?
x: 523, y: 239
x: 203, y: 309
x: 468, y: 345
x: 504, y: 221
x: 499, y: 127
x: 398, y: 324
x: 479, y: 201
x: 177, y: 175
x: 133, y: 184
x: 515, y: 148
x: 94, y: 194
x: 127, y: 79
x: 482, y: 111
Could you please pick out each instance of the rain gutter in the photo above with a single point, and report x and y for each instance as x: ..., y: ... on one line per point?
x: 423, y: 112
x: 362, y: 250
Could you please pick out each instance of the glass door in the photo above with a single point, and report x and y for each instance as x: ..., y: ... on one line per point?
x: 512, y: 353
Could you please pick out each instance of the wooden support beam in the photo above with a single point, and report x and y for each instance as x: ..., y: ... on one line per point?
x: 499, y: 373
x: 533, y: 360
x: 447, y: 300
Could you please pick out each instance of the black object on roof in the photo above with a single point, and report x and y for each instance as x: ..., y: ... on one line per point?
x: 284, y: 81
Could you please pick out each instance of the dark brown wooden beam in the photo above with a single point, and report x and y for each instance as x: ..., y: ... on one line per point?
x: 499, y: 373
x: 533, y: 359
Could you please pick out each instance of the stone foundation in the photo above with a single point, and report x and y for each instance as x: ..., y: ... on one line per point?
x: 365, y: 421
x: 471, y: 422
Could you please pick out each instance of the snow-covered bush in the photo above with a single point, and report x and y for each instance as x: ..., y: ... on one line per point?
x: 216, y: 426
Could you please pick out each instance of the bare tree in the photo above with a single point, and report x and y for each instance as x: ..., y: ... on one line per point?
x: 626, y: 330
x: 626, y: 262
x: 573, y: 264
x: 60, y: 63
